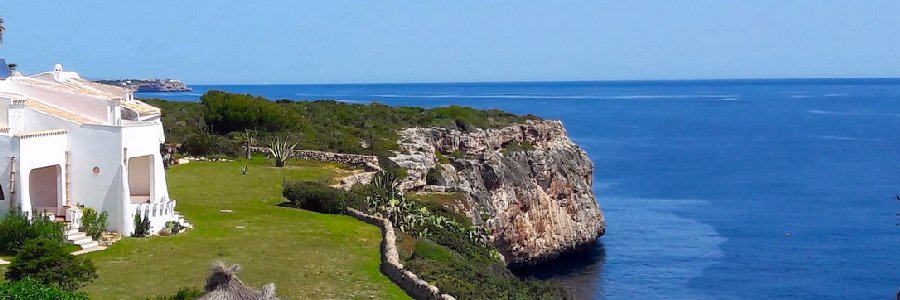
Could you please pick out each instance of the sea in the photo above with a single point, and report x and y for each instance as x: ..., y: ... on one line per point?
x: 723, y: 189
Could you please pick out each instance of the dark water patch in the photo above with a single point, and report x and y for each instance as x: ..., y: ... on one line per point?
x: 578, y: 271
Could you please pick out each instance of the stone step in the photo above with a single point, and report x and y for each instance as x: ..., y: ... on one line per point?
x: 83, y: 241
x: 185, y: 223
x: 71, y: 231
x: 75, y: 236
x: 91, y: 244
x: 89, y: 250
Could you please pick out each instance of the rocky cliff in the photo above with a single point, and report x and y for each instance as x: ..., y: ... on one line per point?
x: 529, y: 184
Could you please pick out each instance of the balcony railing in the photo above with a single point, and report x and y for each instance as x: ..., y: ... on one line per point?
x: 73, y: 216
x: 158, y: 213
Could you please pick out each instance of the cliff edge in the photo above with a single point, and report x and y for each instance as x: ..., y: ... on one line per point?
x: 529, y: 185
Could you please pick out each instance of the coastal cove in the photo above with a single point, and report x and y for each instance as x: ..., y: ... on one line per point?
x: 701, y: 181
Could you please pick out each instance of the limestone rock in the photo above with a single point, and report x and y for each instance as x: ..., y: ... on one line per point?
x: 538, y: 200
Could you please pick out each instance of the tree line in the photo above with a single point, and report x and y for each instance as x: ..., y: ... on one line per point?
x: 219, y: 122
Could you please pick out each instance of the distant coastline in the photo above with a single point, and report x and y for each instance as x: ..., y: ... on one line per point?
x: 149, y: 85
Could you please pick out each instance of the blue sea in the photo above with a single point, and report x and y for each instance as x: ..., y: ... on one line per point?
x: 738, y: 189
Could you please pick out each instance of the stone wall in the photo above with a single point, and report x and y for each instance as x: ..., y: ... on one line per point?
x: 368, y: 161
x: 390, y: 261
x: 338, y: 158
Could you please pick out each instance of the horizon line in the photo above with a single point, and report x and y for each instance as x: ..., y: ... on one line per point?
x: 562, y: 81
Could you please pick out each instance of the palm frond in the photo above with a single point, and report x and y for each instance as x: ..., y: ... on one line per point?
x: 2, y: 29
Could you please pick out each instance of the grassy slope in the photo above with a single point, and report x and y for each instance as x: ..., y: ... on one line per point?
x: 308, y: 255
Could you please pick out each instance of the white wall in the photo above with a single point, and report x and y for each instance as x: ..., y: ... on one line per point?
x: 88, y: 106
x: 4, y: 111
x: 99, y: 147
x: 38, y: 152
x: 16, y: 117
x: 5, y: 155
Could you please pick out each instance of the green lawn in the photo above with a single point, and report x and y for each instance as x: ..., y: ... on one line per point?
x: 308, y: 255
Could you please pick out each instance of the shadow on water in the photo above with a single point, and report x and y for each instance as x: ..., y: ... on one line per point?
x: 580, y: 271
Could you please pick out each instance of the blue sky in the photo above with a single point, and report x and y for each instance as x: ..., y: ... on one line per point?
x: 439, y: 41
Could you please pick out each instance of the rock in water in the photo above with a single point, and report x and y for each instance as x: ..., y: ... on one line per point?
x: 528, y: 183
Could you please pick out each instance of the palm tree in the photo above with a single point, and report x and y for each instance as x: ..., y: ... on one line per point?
x: 2, y: 30
x: 248, y: 138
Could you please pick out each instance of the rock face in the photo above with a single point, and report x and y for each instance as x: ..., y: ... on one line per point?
x: 529, y: 184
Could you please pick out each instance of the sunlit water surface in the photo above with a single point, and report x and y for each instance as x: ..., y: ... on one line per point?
x: 711, y: 189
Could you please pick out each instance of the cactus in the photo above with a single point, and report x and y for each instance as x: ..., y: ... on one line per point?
x: 281, y: 149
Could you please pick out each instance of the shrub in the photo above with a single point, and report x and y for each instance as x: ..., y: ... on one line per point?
x: 16, y: 229
x: 200, y: 142
x: 458, y: 154
x: 474, y: 276
x: 356, y: 197
x: 174, y: 227
x: 94, y: 224
x: 441, y: 159
x: 47, y: 261
x: 31, y: 289
x: 385, y: 183
x: 314, y: 196
x: 141, y: 226
x: 512, y: 147
x: 434, y: 177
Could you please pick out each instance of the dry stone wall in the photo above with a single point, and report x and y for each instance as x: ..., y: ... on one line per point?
x: 390, y: 261
x: 368, y: 161
x: 338, y: 158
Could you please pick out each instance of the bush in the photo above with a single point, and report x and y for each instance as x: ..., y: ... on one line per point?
x: 30, y: 289
x: 434, y: 177
x: 475, y: 276
x: 458, y: 154
x: 16, y: 230
x: 356, y: 197
x: 314, y: 196
x: 47, y: 261
x: 94, y: 224
x: 512, y: 147
x: 141, y: 226
x: 173, y: 227
x: 204, y: 143
x: 441, y: 159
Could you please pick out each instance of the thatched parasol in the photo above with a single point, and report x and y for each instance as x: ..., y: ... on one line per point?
x: 223, y: 284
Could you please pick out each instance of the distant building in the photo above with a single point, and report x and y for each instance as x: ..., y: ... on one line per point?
x: 67, y: 142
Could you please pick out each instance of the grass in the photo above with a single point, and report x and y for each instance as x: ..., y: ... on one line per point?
x: 306, y: 254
